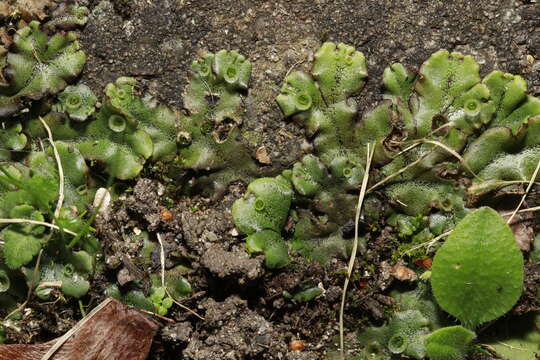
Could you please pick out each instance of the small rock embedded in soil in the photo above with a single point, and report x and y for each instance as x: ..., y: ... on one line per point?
x: 235, y: 263
x: 178, y: 332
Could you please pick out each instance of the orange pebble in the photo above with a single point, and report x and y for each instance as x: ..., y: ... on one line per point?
x: 297, y: 345
x: 166, y: 215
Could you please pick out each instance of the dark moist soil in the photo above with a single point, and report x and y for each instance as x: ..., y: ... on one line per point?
x: 155, y: 41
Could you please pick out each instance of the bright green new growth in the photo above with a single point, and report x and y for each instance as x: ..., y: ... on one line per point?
x: 477, y: 274
x: 39, y: 66
x: 162, y: 302
x: 207, y: 137
x: 78, y: 102
x: 449, y: 343
x: 134, y: 298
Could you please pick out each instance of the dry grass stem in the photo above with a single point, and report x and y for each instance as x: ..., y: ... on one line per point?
x: 36, y: 222
x: 60, y: 170
x: 350, y: 268
x: 531, y: 182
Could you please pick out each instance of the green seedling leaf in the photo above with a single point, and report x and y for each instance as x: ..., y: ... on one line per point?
x: 304, y: 295
x: 477, y: 274
x: 22, y: 241
x: 72, y: 276
x: 449, y: 343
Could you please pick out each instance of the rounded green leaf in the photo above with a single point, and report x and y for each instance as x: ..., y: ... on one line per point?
x: 477, y: 274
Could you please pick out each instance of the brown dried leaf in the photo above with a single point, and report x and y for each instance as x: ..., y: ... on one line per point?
x: 403, y: 273
x: 33, y: 9
x: 262, y: 156
x: 115, y: 332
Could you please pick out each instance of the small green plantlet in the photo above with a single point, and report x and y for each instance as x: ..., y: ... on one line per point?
x: 176, y: 284
x: 38, y: 66
x: 78, y: 102
x: 162, y: 302
x: 132, y: 297
x: 72, y: 270
x: 305, y: 295
x: 477, y: 274
x: 449, y: 343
